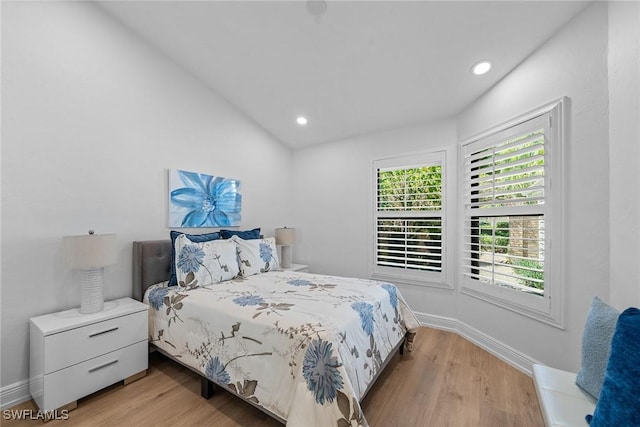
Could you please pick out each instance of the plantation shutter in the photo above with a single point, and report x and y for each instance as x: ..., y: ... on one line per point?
x: 504, y: 193
x: 409, y: 215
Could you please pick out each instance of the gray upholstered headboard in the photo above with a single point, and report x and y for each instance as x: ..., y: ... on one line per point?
x: 151, y: 261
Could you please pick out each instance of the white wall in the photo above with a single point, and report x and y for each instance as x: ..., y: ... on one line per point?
x: 574, y: 64
x: 333, y: 203
x: 332, y: 189
x: 624, y: 151
x: 92, y: 119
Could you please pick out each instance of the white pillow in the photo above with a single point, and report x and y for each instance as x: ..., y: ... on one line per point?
x: 205, y: 263
x: 257, y: 255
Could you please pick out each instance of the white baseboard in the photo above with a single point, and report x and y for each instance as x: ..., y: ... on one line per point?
x: 448, y: 324
x: 513, y: 357
x: 14, y: 394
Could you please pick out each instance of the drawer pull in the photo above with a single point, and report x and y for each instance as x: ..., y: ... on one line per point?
x: 103, y: 332
x: 104, y: 365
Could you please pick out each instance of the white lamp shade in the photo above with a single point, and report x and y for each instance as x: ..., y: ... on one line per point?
x: 285, y: 236
x: 90, y: 251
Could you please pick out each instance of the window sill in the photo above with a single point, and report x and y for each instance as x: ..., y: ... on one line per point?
x: 410, y: 281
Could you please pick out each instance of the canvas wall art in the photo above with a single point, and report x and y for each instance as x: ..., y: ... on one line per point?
x: 200, y: 200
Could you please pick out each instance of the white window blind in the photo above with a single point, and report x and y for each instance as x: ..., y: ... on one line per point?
x: 504, y: 229
x: 408, y: 216
x: 506, y: 251
x: 410, y: 243
x: 512, y: 231
x: 508, y: 174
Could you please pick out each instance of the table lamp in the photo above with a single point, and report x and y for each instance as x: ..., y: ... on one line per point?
x: 285, y: 237
x: 91, y: 253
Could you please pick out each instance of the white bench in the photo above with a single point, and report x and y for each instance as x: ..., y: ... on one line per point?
x: 563, y: 403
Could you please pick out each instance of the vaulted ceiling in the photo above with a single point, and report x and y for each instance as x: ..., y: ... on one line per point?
x: 350, y: 67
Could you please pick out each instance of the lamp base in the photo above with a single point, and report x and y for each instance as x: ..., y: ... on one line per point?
x: 285, y: 262
x: 91, y: 291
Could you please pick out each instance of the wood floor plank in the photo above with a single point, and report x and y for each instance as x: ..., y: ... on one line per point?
x: 445, y: 381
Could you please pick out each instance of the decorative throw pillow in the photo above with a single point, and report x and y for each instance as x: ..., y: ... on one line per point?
x: 619, y: 404
x: 246, y: 234
x: 257, y: 255
x: 205, y: 263
x: 194, y: 238
x: 596, y: 343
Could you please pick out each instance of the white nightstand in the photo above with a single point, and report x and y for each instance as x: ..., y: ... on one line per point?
x: 73, y: 355
x: 296, y: 267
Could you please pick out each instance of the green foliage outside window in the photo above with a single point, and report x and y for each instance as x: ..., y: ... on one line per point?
x: 507, y: 185
x: 501, y: 239
x: 410, y: 189
x: 537, y: 272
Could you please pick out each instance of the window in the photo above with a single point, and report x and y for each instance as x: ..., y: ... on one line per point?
x: 409, y: 218
x: 509, y: 211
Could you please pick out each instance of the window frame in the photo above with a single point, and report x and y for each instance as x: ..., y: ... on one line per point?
x: 439, y: 279
x: 550, y: 309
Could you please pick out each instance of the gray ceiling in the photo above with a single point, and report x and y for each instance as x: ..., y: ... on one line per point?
x: 360, y: 67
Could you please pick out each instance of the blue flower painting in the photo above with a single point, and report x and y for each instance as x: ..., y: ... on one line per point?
x: 320, y: 370
x: 199, y: 200
x: 216, y: 371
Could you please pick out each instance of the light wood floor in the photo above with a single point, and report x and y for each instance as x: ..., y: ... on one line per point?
x: 445, y: 381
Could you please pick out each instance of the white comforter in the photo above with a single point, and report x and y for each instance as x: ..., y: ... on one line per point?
x: 303, y: 346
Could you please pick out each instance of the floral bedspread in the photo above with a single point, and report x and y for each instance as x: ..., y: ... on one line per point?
x: 303, y: 346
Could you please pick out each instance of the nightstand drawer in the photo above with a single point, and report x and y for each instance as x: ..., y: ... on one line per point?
x: 70, y: 384
x: 77, y: 345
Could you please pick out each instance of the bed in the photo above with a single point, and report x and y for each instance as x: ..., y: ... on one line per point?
x: 304, y: 348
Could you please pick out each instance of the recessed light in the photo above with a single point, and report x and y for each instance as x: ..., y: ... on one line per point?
x: 301, y: 120
x: 481, y: 67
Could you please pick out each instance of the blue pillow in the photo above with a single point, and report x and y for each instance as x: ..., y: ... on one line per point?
x: 619, y: 402
x: 596, y: 343
x: 197, y: 238
x: 246, y: 235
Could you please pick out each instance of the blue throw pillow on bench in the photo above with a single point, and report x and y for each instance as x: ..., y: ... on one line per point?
x: 619, y: 401
x: 596, y: 344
